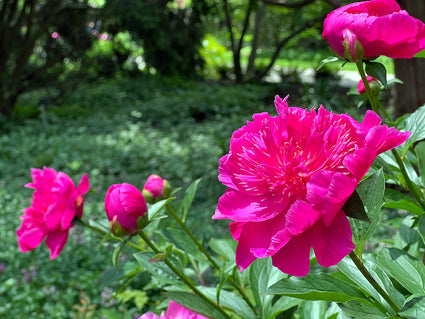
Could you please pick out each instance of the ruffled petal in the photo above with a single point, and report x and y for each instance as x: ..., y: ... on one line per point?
x: 56, y: 241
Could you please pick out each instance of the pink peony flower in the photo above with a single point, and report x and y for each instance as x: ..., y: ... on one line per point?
x: 380, y: 26
x: 288, y: 178
x: 156, y: 189
x: 55, y: 203
x: 360, y: 86
x: 174, y: 311
x: 126, y: 209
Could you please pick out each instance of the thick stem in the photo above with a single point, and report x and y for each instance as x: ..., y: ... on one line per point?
x: 373, y: 282
x: 181, y: 275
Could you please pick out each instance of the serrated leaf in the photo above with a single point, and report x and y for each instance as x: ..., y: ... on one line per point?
x: 327, y: 60
x: 231, y: 301
x: 371, y: 191
x: 196, y: 303
x: 414, y: 123
x: 317, y: 287
x: 117, y: 251
x: 420, y: 154
x: 378, y: 71
x: 189, y: 195
x: 354, y: 208
x: 407, y: 270
x: 397, y: 200
x: 158, y: 270
x: 414, y: 308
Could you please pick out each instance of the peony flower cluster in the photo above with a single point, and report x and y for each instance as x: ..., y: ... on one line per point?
x: 174, y: 311
x: 288, y: 178
x: 368, y: 29
x: 55, y: 203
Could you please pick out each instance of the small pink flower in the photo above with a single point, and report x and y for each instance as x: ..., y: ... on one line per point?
x: 360, y: 86
x: 156, y: 189
x: 288, y: 178
x: 380, y: 27
x: 126, y: 209
x: 174, y: 311
x: 55, y: 203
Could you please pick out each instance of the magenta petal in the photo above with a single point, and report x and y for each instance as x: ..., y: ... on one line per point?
x: 294, y: 258
x: 148, y: 315
x: 223, y: 173
x: 300, y: 217
x: 236, y: 229
x: 281, y: 107
x: 84, y: 185
x: 383, y: 138
x: 30, y: 236
x: 56, y: 242
x: 359, y: 162
x: 240, y: 207
x: 68, y: 214
x: 332, y: 243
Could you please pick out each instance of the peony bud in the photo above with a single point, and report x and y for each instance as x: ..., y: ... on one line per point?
x: 353, y: 49
x: 373, y: 83
x: 126, y: 209
x: 156, y: 189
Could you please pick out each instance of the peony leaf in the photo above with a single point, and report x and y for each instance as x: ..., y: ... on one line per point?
x: 224, y: 247
x: 158, y: 270
x: 377, y: 70
x: 397, y: 200
x: 420, y: 154
x: 327, y: 60
x: 354, y: 208
x: 189, y: 195
x: 356, y: 309
x: 414, y: 123
x: 371, y: 191
x: 317, y: 287
x: 414, y: 308
x: 156, y: 208
x: 404, y: 268
x: 181, y: 240
x: 194, y: 302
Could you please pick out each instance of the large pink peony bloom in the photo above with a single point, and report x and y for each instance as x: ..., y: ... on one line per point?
x: 288, y: 178
x: 174, y: 311
x: 380, y: 26
x: 55, y: 203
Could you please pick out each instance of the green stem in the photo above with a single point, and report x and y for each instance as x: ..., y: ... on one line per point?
x: 375, y: 105
x: 182, y: 276
x: 372, y: 281
x: 207, y: 254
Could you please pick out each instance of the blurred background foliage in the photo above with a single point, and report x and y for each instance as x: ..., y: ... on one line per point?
x: 122, y: 89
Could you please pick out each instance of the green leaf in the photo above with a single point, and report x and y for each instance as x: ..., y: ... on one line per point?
x: 414, y: 123
x: 224, y: 247
x: 156, y: 208
x: 327, y: 60
x: 317, y: 287
x: 421, y: 227
x: 262, y: 275
x: 359, y: 310
x: 404, y: 268
x: 231, y: 301
x: 377, y: 70
x: 314, y: 309
x: 158, y: 270
x: 196, y: 303
x: 371, y: 191
x: 282, y: 304
x: 420, y: 154
x: 189, y: 195
x: 182, y: 240
x: 347, y: 267
x: 354, y: 208
x: 117, y: 251
x: 397, y: 200
x: 414, y: 308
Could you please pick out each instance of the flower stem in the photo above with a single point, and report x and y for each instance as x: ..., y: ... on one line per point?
x: 181, y: 275
x: 207, y: 254
x: 372, y: 281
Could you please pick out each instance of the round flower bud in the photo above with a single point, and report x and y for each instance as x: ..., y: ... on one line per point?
x: 156, y: 189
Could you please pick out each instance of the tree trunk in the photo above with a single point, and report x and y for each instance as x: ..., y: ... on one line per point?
x: 410, y: 95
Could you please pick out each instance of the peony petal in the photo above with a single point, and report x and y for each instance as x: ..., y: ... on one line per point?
x: 359, y: 162
x: 294, y: 258
x: 30, y: 236
x: 240, y: 207
x: 301, y: 215
x: 332, y: 243
x: 223, y: 173
x: 382, y: 138
x: 149, y: 315
x: 56, y: 242
x: 84, y: 185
